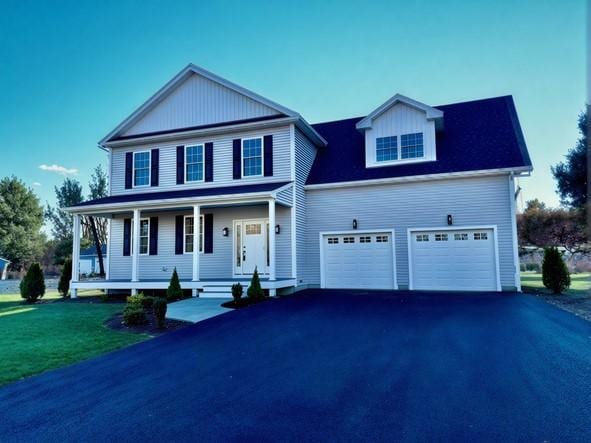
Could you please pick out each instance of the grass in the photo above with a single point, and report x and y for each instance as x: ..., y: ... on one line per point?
x: 48, y: 335
x: 580, y: 284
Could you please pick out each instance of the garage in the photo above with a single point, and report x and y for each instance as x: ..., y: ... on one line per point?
x: 458, y: 259
x: 358, y: 260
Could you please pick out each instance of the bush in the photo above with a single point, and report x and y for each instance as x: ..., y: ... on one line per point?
x: 33, y: 285
x: 160, y: 311
x: 237, y: 291
x: 174, y: 291
x: 255, y: 291
x: 134, y: 314
x: 522, y: 267
x: 555, y: 275
x: 64, y: 284
x: 532, y: 267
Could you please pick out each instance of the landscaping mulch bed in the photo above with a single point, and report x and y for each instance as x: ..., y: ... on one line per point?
x: 244, y: 302
x: 150, y: 328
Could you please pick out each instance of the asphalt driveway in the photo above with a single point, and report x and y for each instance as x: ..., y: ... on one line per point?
x: 334, y: 366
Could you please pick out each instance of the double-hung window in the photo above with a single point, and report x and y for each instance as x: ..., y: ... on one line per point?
x: 411, y: 145
x: 386, y: 148
x: 141, y: 168
x: 194, y: 163
x: 252, y: 157
x: 144, y: 236
x: 189, y: 234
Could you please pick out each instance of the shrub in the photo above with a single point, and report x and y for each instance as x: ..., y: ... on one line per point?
x: 64, y: 284
x: 174, y: 291
x: 532, y: 267
x: 33, y: 285
x: 522, y: 267
x: 134, y: 314
x: 255, y: 291
x: 555, y: 275
x: 237, y: 291
x: 160, y: 311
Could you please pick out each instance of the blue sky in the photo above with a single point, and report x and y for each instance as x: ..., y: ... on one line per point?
x: 71, y: 71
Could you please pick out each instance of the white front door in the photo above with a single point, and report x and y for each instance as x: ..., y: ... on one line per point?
x: 250, y: 246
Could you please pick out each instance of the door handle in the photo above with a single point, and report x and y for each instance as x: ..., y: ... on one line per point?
x: 243, y: 256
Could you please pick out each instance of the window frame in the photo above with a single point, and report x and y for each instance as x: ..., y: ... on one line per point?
x: 132, y: 237
x: 202, y: 163
x: 414, y: 134
x: 399, y: 159
x: 133, y: 169
x: 242, y: 158
x: 396, y: 149
x: 201, y: 233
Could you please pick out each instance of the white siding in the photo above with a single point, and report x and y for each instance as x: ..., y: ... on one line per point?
x: 471, y: 201
x: 305, y: 153
x: 199, y: 101
x: 400, y: 119
x: 286, y: 196
x: 215, y: 265
x: 222, y: 162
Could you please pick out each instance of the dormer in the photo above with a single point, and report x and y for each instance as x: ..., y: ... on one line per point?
x: 400, y: 131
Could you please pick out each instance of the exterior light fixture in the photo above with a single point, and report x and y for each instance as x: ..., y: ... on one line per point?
x: 225, y: 232
x: 354, y: 223
x: 277, y: 229
x: 450, y: 220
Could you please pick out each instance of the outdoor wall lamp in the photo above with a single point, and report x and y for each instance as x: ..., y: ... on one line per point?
x: 354, y: 223
x: 225, y: 232
x: 277, y: 229
x: 450, y: 220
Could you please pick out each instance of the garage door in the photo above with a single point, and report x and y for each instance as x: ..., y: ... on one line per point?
x: 453, y: 260
x: 358, y: 261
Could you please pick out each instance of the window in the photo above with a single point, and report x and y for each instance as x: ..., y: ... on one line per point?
x: 411, y: 145
x: 349, y: 240
x: 460, y: 237
x: 252, y: 157
x: 386, y: 149
x: 194, y: 163
x: 141, y: 168
x: 365, y: 239
x: 333, y: 240
x: 190, y: 233
x: 440, y: 237
x: 480, y: 236
x: 422, y: 237
x: 144, y: 236
x: 381, y: 239
x: 253, y: 228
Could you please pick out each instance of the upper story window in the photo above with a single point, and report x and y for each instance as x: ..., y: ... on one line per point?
x: 386, y: 149
x: 411, y: 145
x: 141, y: 168
x: 252, y: 157
x: 194, y: 163
x: 189, y: 234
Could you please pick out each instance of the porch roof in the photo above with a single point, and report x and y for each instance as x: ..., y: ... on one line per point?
x: 170, y: 196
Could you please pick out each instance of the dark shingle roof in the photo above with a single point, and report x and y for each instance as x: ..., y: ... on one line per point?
x: 476, y: 135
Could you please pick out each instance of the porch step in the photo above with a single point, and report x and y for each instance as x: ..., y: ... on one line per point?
x: 216, y: 292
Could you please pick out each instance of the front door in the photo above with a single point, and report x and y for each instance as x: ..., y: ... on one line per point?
x: 250, y: 246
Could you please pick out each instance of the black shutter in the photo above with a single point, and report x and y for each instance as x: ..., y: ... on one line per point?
x: 237, y: 158
x: 178, y: 236
x: 155, y: 167
x: 180, y: 165
x: 127, y: 236
x: 208, y: 233
x: 128, y: 169
x: 268, y: 148
x: 153, y: 235
x: 209, y: 162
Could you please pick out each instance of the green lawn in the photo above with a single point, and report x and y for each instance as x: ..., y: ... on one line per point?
x: 35, y: 338
x: 580, y: 284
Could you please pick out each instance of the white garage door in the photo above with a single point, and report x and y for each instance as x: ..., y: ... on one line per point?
x: 453, y: 260
x: 358, y: 261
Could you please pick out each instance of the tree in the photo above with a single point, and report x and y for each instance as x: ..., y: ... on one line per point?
x: 21, y: 219
x: 174, y: 291
x: 555, y: 275
x: 571, y: 174
x: 254, y: 291
x: 68, y: 194
x: 64, y: 283
x: 98, y: 228
x: 33, y: 285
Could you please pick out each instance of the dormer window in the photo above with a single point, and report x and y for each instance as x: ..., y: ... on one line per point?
x: 386, y: 149
x: 411, y: 145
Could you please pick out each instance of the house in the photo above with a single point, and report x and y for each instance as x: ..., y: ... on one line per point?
x: 216, y: 181
x: 3, y: 268
x: 89, y: 262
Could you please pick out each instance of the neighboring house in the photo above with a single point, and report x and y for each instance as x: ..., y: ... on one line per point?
x: 89, y: 262
x: 410, y: 196
x: 3, y: 268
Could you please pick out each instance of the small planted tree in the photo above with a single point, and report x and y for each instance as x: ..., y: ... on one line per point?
x: 33, y: 285
x: 174, y: 291
x: 255, y: 292
x: 64, y: 284
x: 237, y: 291
x: 159, y: 308
x: 555, y: 275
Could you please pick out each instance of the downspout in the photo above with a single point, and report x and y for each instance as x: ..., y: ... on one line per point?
x: 512, y: 198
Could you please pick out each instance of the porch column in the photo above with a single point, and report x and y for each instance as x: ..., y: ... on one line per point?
x: 196, y: 238
x: 108, y: 250
x: 75, y: 254
x: 135, y: 239
x: 272, y: 239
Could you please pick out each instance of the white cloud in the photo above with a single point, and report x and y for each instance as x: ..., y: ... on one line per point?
x: 62, y: 170
x: 36, y: 184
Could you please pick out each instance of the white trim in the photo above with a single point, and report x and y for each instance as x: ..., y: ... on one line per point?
x: 409, y: 232
x: 399, y: 160
x: 201, y: 234
x: 514, y: 232
x: 133, y: 185
x: 390, y: 231
x: 110, y: 167
x: 186, y: 174
x: 432, y: 113
x: 135, y: 245
x: 272, y: 240
x: 415, y: 178
x: 197, y: 244
x: 163, y: 284
x: 109, y: 231
x: 262, y: 174
x: 293, y: 209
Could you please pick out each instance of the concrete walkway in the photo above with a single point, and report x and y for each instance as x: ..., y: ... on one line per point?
x: 196, y: 309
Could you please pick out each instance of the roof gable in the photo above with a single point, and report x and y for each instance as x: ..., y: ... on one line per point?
x: 431, y: 113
